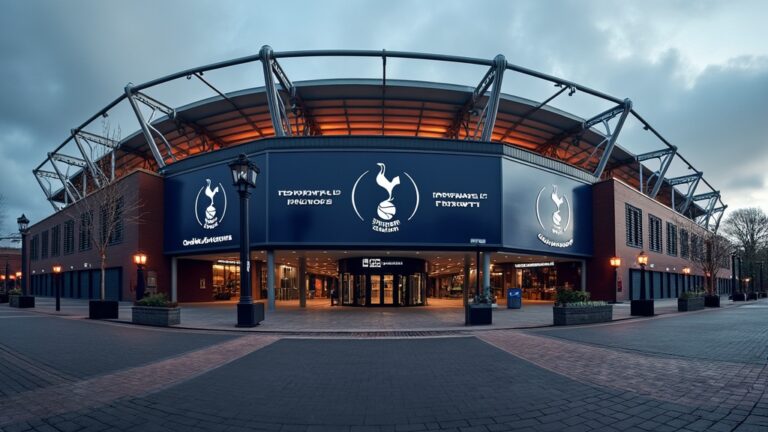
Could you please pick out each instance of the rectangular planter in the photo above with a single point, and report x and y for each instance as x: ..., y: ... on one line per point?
x: 641, y: 308
x: 3, y: 298
x: 21, y: 301
x: 478, y: 314
x: 712, y: 301
x: 581, y: 315
x: 156, y: 316
x: 739, y: 297
x: 752, y: 296
x: 102, y: 309
x: 690, y: 304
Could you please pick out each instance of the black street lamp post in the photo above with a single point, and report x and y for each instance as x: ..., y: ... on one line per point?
x: 643, y: 306
x: 57, y: 285
x: 25, y: 300
x: 244, y: 174
x: 615, y: 263
x: 140, y: 259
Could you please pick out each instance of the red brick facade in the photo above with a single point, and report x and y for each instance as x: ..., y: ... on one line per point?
x: 610, y: 227
x: 80, y: 268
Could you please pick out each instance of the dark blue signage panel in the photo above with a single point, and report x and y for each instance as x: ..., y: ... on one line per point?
x: 332, y: 198
x: 545, y: 212
x: 202, y: 210
x: 370, y: 198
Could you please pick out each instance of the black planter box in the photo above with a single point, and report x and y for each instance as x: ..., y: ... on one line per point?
x: 752, y: 296
x: 563, y: 315
x: 250, y: 315
x: 21, y: 301
x: 712, y: 301
x: 156, y: 316
x: 739, y: 297
x: 3, y: 298
x: 102, y: 309
x: 641, y: 308
x: 690, y: 304
x: 478, y: 314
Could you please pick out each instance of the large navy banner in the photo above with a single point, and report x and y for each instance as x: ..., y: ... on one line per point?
x: 381, y: 199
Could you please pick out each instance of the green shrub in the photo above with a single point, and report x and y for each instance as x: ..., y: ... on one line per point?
x: 691, y: 294
x: 566, y: 296
x: 156, y: 300
x: 14, y: 292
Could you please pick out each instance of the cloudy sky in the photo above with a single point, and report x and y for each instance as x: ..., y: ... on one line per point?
x: 697, y: 70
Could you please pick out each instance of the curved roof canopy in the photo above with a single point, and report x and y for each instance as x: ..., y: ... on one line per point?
x: 373, y: 107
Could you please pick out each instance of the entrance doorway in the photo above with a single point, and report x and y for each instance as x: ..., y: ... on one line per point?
x: 382, y: 281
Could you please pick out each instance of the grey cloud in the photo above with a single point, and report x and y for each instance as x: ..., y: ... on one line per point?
x: 747, y: 182
x: 64, y: 61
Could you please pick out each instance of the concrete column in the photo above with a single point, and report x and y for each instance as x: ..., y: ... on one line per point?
x: 174, y: 279
x: 467, y: 285
x: 271, y: 279
x: 487, y: 274
x: 302, y: 282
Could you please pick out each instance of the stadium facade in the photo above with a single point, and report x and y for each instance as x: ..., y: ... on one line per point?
x: 386, y: 191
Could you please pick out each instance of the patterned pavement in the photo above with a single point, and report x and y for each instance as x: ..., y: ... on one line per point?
x: 676, y: 372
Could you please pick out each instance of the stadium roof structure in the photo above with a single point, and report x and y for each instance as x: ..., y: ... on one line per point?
x: 373, y: 107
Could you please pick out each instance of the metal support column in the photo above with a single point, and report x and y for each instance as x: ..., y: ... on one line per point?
x: 466, y: 288
x: 612, y: 141
x: 271, y: 92
x: 64, y: 181
x: 95, y: 173
x: 500, y: 65
x: 174, y: 279
x: 257, y: 278
x: 271, y: 279
x: 147, y: 133
x: 302, y: 281
x: 487, y: 275
x: 662, y: 172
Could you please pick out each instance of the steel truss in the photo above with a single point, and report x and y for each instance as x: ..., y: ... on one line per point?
x: 486, y: 116
x: 290, y: 115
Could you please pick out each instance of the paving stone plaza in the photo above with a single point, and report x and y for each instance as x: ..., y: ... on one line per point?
x: 691, y: 371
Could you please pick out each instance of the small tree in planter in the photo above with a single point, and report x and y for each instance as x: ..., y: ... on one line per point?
x: 15, y: 299
x: 710, y: 254
x: 156, y: 310
x: 574, y: 307
x: 691, y: 301
x: 116, y: 206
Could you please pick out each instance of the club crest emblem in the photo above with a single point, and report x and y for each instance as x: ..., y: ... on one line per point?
x: 556, y: 223
x: 211, y: 208
x: 385, y: 219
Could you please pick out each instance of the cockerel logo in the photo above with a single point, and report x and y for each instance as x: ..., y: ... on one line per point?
x: 384, y: 220
x: 560, y: 223
x: 210, y: 216
x: 386, y: 209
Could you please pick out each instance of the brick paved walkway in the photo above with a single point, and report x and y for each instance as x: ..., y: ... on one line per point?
x: 622, y: 376
x: 77, y: 395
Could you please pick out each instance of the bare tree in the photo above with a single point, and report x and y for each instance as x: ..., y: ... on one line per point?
x: 748, y: 229
x: 114, y: 204
x: 710, y: 252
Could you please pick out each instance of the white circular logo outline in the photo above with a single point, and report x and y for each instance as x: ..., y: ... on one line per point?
x: 223, y: 213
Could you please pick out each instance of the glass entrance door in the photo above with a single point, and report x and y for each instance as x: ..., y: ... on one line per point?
x: 389, y: 287
x: 375, y: 298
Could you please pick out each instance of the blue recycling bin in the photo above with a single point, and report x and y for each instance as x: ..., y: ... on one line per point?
x: 514, y: 298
